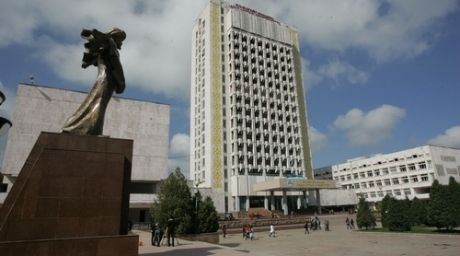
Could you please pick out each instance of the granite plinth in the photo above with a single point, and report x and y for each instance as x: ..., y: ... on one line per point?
x: 72, y: 190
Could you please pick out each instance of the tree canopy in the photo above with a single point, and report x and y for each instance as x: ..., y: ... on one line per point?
x: 175, y: 201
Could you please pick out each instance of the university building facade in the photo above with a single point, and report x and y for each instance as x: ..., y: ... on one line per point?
x: 248, y: 111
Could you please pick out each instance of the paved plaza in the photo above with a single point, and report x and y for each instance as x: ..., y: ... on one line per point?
x: 338, y: 241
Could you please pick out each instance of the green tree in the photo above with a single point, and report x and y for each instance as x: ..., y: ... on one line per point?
x: 418, y: 211
x: 364, y: 218
x: 438, y: 209
x: 207, y: 216
x: 175, y: 201
x: 453, y: 198
x: 398, y: 215
x: 384, y: 209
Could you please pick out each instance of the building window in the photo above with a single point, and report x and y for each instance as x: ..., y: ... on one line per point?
x: 424, y: 177
x: 407, y: 192
x: 422, y: 165
x: 387, y: 182
x: 414, y: 178
x: 395, y: 181
x: 393, y: 169
x: 388, y: 192
x: 362, y: 175
x: 355, y: 176
x: 380, y: 193
x: 372, y: 194
x: 377, y: 172
x: 371, y: 184
x: 369, y: 174
x: 405, y: 179
x: 397, y: 192
x: 363, y: 184
x: 384, y: 171
x: 411, y: 167
x: 402, y: 168
x: 378, y: 183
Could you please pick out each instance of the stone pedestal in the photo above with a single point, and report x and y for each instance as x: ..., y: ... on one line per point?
x: 70, y: 198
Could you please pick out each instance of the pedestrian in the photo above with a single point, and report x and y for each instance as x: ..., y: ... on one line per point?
x: 326, y: 224
x: 171, y: 232
x: 272, y: 231
x: 352, y: 223
x: 224, y: 230
x: 251, y: 232
x: 152, y: 231
x: 347, y: 221
x: 157, y: 235
x: 306, y: 228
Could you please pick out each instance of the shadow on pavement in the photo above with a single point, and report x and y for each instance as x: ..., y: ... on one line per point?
x: 188, y: 252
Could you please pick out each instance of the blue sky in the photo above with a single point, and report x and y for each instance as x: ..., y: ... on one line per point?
x: 380, y: 76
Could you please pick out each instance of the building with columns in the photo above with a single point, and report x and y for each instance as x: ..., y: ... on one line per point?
x: 248, y: 110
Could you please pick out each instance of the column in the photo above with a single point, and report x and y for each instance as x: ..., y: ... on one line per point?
x: 237, y: 203
x: 247, y: 203
x: 272, y: 200
x: 266, y: 202
x: 285, y: 206
x: 318, y: 200
x: 299, y: 202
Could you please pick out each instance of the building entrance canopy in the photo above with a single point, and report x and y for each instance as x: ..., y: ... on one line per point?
x: 294, y: 184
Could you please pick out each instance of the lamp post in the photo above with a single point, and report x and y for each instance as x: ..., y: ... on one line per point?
x: 198, y: 182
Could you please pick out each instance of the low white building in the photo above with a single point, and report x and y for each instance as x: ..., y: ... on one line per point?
x: 40, y: 108
x: 408, y: 173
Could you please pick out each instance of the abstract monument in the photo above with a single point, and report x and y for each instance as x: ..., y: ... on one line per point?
x: 71, y: 196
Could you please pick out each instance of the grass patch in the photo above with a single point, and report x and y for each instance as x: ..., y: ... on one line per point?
x: 417, y: 230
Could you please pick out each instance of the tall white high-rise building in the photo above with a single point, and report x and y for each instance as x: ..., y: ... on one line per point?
x: 248, y: 112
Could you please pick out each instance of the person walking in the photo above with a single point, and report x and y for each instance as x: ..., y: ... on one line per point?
x: 347, y: 221
x: 272, y: 231
x: 306, y: 228
x: 171, y: 232
x: 326, y: 224
x: 224, y: 230
x: 352, y: 224
x: 157, y: 235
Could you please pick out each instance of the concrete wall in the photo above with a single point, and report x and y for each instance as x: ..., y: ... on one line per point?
x: 41, y: 108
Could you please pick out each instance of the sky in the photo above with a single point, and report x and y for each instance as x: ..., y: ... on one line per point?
x: 379, y: 75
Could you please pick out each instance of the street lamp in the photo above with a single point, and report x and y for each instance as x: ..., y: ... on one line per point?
x: 198, y: 182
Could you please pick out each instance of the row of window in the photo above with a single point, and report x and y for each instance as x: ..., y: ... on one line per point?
x: 396, y: 159
x: 395, y: 192
x: 388, y: 182
x: 267, y: 172
x: 385, y: 171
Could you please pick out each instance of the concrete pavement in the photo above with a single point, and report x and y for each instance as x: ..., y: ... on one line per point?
x: 338, y: 241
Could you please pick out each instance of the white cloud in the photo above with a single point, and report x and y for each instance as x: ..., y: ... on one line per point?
x: 369, y: 128
x: 310, y: 77
x: 450, y: 138
x: 156, y: 54
x: 337, y: 70
x: 318, y: 140
x: 385, y: 30
x: 179, y: 153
